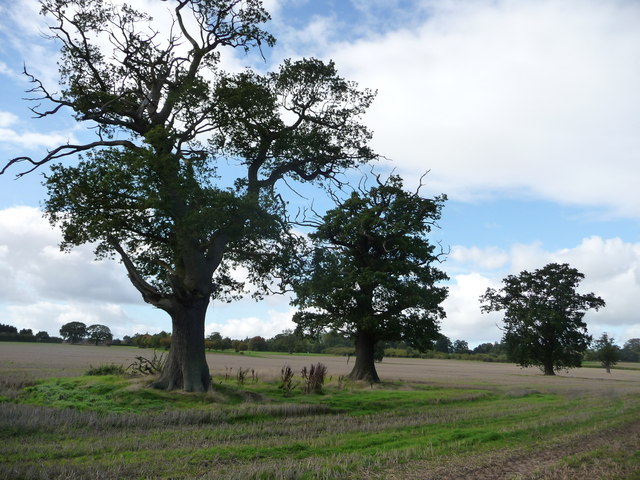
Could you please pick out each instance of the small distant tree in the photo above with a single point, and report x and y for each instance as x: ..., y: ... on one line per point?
x: 215, y: 341
x: 7, y: 328
x: 99, y: 334
x: 227, y: 343
x: 240, y: 345
x: 630, y: 350
x: 26, y: 332
x: 607, y: 352
x: 460, y: 346
x: 73, y: 332
x: 283, y: 342
x: 257, y: 344
x: 42, y: 336
x: 484, y: 348
x: 371, y: 275
x: 543, y: 321
x: 442, y: 344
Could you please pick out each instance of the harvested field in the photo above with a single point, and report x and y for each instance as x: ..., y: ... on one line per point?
x: 45, y: 360
x: 430, y: 419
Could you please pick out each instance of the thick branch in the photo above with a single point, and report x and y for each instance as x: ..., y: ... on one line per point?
x: 150, y: 294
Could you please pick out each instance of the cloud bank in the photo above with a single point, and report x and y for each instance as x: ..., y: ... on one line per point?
x: 534, y: 98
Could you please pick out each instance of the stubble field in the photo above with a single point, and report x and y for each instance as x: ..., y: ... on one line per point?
x: 428, y: 419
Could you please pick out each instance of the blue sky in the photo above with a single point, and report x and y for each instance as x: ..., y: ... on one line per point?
x: 526, y: 113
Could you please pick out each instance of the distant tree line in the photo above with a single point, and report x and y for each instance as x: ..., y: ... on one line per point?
x: 330, y: 343
x: 603, y: 350
x: 9, y: 333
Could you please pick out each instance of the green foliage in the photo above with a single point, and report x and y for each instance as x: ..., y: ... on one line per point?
x: 181, y: 180
x: 461, y: 346
x: 606, y: 352
x: 108, y: 369
x: 8, y: 328
x: 544, y: 316
x: 371, y: 274
x: 73, y: 332
x: 443, y: 344
x: 70, y: 428
x: 105, y: 394
x: 630, y: 351
x: 99, y: 334
x: 257, y: 344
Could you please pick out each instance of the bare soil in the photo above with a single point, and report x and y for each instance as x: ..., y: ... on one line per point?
x: 46, y: 360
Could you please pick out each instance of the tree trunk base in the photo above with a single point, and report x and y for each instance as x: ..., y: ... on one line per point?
x: 365, y: 368
x: 186, y: 366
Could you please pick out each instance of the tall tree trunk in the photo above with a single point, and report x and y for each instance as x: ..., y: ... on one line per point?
x: 548, y: 368
x: 186, y: 367
x: 365, y: 368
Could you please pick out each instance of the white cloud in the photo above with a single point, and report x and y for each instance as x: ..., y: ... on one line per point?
x: 464, y: 320
x: 33, y: 268
x: 50, y: 316
x: 537, y: 98
x: 486, y: 258
x: 35, y: 140
x: 7, y: 119
x: 274, y: 323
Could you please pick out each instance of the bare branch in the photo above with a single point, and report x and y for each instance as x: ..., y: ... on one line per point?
x: 65, y: 151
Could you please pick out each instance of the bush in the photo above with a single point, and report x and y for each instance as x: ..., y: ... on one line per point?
x: 340, y: 351
x: 109, y: 369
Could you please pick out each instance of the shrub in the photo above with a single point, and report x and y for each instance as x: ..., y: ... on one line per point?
x: 108, y: 369
x: 345, y: 351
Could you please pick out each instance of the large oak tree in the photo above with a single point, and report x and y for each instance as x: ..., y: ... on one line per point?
x: 181, y: 179
x: 544, y: 316
x: 372, y: 275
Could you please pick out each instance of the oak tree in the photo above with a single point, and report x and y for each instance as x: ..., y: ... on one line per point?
x: 372, y: 274
x: 181, y: 181
x: 544, y: 316
x: 73, y: 332
x: 607, y: 352
x: 99, y: 334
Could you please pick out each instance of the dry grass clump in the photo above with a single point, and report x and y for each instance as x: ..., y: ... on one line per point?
x: 29, y: 418
x: 10, y: 385
x: 313, y: 378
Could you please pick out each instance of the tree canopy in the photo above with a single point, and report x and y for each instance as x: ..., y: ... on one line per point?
x: 371, y: 274
x: 180, y: 182
x: 607, y: 352
x: 543, y: 316
x: 73, y: 331
x: 99, y: 334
